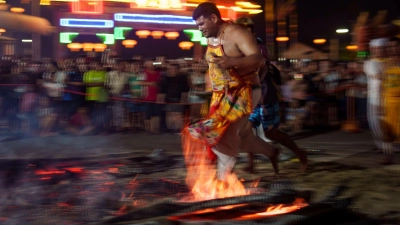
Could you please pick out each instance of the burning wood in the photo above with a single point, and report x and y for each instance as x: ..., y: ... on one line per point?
x: 81, y: 192
x: 169, y: 208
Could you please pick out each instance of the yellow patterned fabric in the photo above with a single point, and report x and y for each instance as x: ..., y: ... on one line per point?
x: 231, y: 100
x: 391, y: 100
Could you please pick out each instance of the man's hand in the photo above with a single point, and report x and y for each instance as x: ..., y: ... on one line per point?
x: 223, y: 61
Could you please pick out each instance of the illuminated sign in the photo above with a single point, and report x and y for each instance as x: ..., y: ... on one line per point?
x: 196, y: 36
x: 86, y: 23
x: 158, y: 4
x: 66, y: 37
x: 107, y: 38
x: 144, y: 18
x: 119, y: 32
x: 87, y: 6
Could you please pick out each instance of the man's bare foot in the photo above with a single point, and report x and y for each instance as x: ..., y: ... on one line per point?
x: 303, y: 160
x: 275, y: 159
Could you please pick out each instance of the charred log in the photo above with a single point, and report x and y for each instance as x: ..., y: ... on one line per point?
x: 174, y: 208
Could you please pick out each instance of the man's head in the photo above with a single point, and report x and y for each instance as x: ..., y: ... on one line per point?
x: 377, y: 47
x: 149, y: 65
x: 173, y: 69
x: 208, y: 18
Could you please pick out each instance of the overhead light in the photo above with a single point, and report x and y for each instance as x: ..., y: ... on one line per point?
x: 26, y: 40
x: 17, y: 10
x: 352, y: 47
x: 282, y: 39
x: 342, y: 31
x: 248, y: 5
x: 255, y: 11
x: 319, y: 41
x: 2, y: 30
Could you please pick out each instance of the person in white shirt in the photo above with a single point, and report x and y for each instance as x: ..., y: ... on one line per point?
x: 374, y: 68
x: 116, y: 82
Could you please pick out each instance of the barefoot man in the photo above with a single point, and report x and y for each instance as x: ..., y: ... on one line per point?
x: 266, y: 112
x: 234, y: 60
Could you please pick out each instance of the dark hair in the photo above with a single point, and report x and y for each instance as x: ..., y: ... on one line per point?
x: 206, y: 9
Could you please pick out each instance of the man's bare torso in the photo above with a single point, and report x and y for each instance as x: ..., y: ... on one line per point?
x: 229, y: 40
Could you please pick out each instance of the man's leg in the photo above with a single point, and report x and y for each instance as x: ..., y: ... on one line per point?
x: 240, y: 134
x: 285, y: 140
x: 254, y: 121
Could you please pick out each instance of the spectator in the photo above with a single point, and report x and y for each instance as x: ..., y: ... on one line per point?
x: 174, y: 89
x: 149, y: 81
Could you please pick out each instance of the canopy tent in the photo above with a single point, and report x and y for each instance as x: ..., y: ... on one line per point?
x: 302, y: 51
x: 25, y: 23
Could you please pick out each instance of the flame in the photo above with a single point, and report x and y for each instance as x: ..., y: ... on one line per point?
x: 255, y: 183
x: 277, y: 209
x: 201, y: 174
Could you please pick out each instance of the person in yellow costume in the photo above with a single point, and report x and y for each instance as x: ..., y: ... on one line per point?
x: 391, y: 102
x: 234, y: 60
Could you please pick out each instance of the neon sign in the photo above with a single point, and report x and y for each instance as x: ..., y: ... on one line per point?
x: 196, y: 36
x: 119, y: 32
x: 107, y: 38
x: 159, y: 4
x: 86, y: 23
x: 66, y: 37
x: 144, y: 18
x: 87, y: 6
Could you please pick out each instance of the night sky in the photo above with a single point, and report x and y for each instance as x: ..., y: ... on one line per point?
x: 321, y: 18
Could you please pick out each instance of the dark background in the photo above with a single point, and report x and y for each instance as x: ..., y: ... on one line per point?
x: 317, y: 19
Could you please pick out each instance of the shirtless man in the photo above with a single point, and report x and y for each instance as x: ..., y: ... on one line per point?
x: 266, y: 112
x: 233, y: 71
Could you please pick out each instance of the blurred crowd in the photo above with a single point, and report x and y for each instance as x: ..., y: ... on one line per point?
x: 89, y: 95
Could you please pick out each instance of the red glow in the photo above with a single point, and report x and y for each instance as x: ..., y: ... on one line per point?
x: 74, y: 170
x: 49, y: 172
x: 63, y: 204
x: 87, y: 7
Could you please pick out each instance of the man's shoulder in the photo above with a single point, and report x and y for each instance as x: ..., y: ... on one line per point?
x: 233, y: 29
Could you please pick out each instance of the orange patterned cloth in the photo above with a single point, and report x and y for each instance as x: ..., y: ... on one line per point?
x: 230, y: 101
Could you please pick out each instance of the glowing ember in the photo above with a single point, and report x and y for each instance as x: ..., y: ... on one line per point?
x: 49, y: 172
x: 201, y: 175
x: 277, y: 209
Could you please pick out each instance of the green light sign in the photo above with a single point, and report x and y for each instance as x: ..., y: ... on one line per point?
x: 196, y: 36
x: 108, y: 39
x: 119, y: 32
x: 67, y: 37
